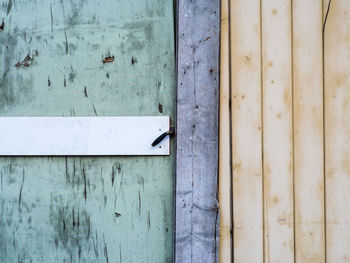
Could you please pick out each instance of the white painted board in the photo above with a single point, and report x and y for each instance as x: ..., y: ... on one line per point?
x: 51, y: 136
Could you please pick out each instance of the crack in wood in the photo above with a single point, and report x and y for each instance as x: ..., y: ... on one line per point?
x: 326, y: 17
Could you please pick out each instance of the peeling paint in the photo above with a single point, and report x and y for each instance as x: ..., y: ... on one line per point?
x: 133, y: 60
x: 108, y: 59
x: 67, y: 208
x: 2, y: 26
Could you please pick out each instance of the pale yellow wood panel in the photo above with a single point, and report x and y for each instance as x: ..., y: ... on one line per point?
x: 277, y: 131
x: 224, y: 147
x: 337, y: 130
x: 308, y: 131
x: 246, y: 131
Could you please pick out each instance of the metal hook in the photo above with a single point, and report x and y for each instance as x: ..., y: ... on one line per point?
x: 162, y: 136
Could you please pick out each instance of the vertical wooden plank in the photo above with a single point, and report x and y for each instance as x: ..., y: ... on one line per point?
x: 224, y: 138
x: 308, y: 131
x: 277, y: 131
x: 246, y: 131
x: 197, y: 131
x: 337, y: 130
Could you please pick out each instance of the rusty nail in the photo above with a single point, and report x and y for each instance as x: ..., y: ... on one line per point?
x: 108, y: 59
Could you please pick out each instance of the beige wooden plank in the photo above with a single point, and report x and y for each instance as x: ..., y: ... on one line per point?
x: 337, y: 130
x: 277, y: 131
x: 224, y: 139
x: 246, y: 131
x: 308, y: 131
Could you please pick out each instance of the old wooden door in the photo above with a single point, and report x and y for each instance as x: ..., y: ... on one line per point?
x: 86, y: 58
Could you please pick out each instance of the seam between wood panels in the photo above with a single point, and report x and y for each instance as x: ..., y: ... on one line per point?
x: 262, y: 134
x: 192, y: 161
x: 217, y: 217
x: 293, y: 125
x: 217, y: 254
x: 176, y: 5
x: 230, y: 129
x: 232, y: 234
x: 218, y: 211
x: 324, y: 127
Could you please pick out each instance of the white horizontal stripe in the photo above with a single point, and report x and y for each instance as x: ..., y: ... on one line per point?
x: 47, y: 136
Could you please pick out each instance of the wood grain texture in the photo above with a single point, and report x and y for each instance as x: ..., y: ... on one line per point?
x: 308, y: 131
x: 337, y: 130
x: 305, y: 129
x: 86, y: 209
x: 197, y: 131
x: 225, y: 139
x: 277, y: 130
x: 246, y: 131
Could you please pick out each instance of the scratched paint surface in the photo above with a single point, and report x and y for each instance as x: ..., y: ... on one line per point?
x: 86, y: 58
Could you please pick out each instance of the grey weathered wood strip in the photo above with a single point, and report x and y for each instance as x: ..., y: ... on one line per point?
x: 196, y: 237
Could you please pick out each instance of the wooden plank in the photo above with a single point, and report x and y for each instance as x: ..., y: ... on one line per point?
x: 246, y: 131
x: 224, y: 139
x: 277, y: 130
x: 64, y: 136
x: 337, y: 130
x: 198, y: 41
x: 308, y: 131
x: 87, y: 209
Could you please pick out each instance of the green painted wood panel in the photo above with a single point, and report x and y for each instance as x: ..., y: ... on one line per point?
x: 86, y: 209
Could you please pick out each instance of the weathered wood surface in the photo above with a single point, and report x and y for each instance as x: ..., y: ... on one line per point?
x: 246, y: 125
x: 197, y: 131
x: 305, y: 128
x: 93, y: 209
x: 308, y: 131
x: 337, y: 130
x: 277, y: 130
x: 225, y: 181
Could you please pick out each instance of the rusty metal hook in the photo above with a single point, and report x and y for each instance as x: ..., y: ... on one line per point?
x: 162, y: 136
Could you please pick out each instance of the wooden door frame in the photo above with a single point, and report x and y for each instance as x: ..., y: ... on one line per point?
x: 196, y: 237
